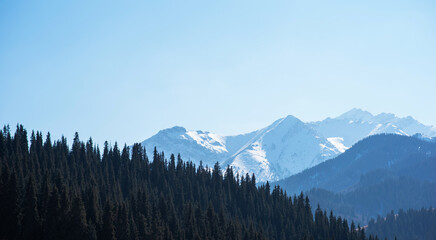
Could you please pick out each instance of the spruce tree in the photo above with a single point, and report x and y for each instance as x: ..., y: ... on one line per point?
x: 76, y: 226
x: 9, y: 206
x: 31, y: 222
x: 108, y: 228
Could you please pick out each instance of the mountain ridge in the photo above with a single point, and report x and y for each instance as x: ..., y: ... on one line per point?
x: 285, y: 147
x: 378, y: 174
x: 379, y: 152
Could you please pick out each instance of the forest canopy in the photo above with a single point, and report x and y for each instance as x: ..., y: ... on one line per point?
x: 50, y: 190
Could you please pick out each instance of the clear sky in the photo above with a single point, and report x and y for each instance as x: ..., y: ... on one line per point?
x: 122, y: 70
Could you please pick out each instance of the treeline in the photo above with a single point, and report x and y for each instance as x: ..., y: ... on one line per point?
x: 410, y: 225
x: 366, y: 202
x: 49, y: 190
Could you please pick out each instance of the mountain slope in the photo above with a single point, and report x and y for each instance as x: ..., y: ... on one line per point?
x: 379, y: 198
x: 196, y: 146
x: 287, y: 146
x: 391, y: 152
x: 357, y: 124
x: 378, y: 174
x: 411, y: 224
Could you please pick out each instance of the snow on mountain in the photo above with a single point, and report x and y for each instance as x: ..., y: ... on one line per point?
x: 356, y: 115
x: 210, y: 141
x: 194, y: 146
x: 287, y: 146
x: 357, y: 124
x: 338, y: 143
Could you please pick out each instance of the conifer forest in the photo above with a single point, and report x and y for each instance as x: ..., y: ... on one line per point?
x: 50, y: 189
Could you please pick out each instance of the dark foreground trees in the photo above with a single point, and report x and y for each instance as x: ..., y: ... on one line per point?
x: 51, y: 191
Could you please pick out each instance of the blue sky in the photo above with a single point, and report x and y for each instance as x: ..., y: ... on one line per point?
x: 123, y: 70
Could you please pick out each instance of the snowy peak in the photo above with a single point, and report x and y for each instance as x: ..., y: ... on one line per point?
x: 285, y: 147
x: 194, y: 146
x: 356, y: 115
x: 290, y: 119
x: 209, y: 141
x: 176, y: 130
x: 357, y: 124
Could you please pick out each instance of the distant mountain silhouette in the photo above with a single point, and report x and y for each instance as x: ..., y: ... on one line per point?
x: 378, y: 174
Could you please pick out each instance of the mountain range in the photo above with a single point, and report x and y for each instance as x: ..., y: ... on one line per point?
x: 286, y: 147
x: 367, y: 162
x: 378, y: 174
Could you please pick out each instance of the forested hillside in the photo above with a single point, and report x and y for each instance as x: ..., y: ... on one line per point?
x: 410, y: 224
x: 378, y: 174
x: 395, y: 154
x: 49, y: 190
x: 367, y: 202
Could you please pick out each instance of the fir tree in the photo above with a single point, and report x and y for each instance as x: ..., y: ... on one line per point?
x: 31, y: 222
x: 108, y: 228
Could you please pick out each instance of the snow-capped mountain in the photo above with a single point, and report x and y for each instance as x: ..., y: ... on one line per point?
x: 357, y: 124
x: 286, y: 147
x: 196, y: 146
